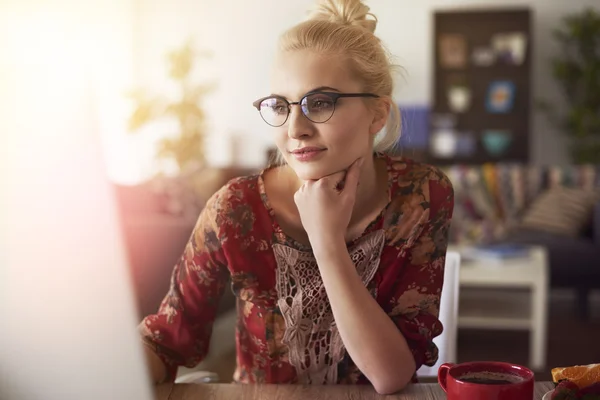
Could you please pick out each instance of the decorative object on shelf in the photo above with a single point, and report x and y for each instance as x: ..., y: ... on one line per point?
x: 443, y: 143
x: 466, y: 144
x: 577, y: 72
x: 500, y: 97
x: 453, y: 51
x: 459, y: 98
x: 496, y: 142
x: 182, y: 150
x: 483, y: 56
x: 510, y: 48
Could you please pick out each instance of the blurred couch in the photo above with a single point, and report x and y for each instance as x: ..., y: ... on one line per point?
x: 517, y: 203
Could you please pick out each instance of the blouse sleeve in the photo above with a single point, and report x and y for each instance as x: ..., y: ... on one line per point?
x: 179, y: 333
x: 416, y: 299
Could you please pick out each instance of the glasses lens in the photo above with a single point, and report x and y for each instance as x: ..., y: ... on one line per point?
x: 318, y: 107
x: 274, y: 111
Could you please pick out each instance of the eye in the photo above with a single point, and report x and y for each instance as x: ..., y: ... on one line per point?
x: 319, y: 102
x: 275, y: 105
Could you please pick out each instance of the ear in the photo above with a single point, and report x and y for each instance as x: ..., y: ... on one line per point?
x: 380, y: 116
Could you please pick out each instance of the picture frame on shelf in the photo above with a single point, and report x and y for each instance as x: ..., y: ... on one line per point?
x: 500, y: 97
x: 453, y: 51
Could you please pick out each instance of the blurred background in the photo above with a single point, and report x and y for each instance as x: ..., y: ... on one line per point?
x: 504, y: 95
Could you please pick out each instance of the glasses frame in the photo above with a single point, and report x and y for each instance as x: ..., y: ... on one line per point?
x: 335, y: 96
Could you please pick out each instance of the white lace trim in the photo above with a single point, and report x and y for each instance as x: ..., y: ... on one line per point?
x: 315, y: 345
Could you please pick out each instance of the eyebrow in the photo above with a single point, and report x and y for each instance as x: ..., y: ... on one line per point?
x: 317, y: 89
x: 321, y: 88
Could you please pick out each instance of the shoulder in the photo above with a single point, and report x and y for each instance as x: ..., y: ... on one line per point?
x: 243, y: 189
x: 407, y: 171
x: 234, y: 204
x: 419, y: 192
x: 424, y: 180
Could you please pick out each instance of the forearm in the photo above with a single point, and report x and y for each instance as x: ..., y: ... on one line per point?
x: 156, y: 367
x: 372, y: 340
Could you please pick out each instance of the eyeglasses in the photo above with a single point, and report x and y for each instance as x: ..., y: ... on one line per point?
x: 318, y: 107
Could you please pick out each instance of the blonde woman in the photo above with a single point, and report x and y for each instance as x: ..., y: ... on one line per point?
x: 336, y: 252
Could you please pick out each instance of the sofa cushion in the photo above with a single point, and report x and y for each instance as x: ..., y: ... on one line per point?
x: 561, y: 210
x: 493, y: 198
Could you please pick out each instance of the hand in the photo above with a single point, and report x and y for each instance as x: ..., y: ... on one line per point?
x: 326, y: 205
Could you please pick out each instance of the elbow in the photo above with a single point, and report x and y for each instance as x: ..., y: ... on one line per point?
x: 395, y: 376
x: 388, y: 388
x: 391, y: 384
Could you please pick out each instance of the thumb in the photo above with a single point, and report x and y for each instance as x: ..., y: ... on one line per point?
x: 353, y: 174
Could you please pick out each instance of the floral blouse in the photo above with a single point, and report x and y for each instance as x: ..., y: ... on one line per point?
x: 285, y: 331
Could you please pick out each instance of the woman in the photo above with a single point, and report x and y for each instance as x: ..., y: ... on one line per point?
x: 336, y: 253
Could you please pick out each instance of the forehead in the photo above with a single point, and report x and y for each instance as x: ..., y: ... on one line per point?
x: 297, y: 72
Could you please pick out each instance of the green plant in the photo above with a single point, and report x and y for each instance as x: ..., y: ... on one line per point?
x: 577, y: 70
x: 186, y: 146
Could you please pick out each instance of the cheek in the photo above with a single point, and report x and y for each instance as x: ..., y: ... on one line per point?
x: 343, y: 135
x: 280, y: 137
x: 281, y: 141
x: 350, y: 131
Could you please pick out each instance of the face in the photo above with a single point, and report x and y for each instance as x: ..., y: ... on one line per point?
x: 314, y: 150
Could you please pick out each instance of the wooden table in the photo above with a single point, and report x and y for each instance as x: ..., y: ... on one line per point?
x: 216, y: 391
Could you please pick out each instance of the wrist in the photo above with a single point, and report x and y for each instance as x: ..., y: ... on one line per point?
x: 328, y: 247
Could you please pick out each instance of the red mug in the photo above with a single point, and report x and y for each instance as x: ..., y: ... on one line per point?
x: 486, y: 380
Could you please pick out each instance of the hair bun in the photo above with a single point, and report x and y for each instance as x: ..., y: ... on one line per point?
x: 345, y: 12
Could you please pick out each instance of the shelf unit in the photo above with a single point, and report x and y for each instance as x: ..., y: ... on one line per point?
x: 478, y: 27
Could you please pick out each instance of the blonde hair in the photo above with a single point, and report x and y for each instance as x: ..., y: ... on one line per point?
x: 346, y: 28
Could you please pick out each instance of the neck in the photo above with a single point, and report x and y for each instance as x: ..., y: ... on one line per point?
x: 366, y: 192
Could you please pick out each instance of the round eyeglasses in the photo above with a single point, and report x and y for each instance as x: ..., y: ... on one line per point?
x: 318, y: 107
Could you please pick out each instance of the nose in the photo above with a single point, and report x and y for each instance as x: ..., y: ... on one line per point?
x: 298, y: 125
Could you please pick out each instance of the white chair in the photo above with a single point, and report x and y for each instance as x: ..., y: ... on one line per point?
x: 446, y: 342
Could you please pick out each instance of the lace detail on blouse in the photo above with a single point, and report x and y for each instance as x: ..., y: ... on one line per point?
x: 314, y: 343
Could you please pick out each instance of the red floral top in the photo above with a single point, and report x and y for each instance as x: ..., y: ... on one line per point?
x: 285, y: 331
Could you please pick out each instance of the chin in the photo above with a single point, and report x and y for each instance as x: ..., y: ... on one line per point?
x: 312, y: 171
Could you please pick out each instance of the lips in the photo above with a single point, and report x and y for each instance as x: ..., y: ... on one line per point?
x: 306, y: 154
x: 307, y: 150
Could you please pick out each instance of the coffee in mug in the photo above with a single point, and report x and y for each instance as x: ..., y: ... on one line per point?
x: 485, y: 380
x: 490, y: 378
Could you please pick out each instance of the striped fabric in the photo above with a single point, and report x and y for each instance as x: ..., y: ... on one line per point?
x: 561, y: 210
x: 493, y: 198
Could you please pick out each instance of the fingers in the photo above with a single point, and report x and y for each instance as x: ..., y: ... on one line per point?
x: 334, y: 180
x: 353, y: 174
x: 343, y: 179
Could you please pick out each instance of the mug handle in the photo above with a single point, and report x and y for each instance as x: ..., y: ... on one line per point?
x: 443, y: 375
